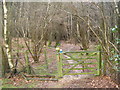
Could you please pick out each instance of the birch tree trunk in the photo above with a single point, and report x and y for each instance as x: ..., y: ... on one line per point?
x: 6, y: 38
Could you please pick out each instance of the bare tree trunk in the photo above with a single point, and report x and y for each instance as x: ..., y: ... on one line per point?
x: 6, y: 37
x: 105, y: 40
x: 5, y: 64
x: 84, y: 33
x: 0, y: 39
x: 71, y: 25
x: 118, y: 74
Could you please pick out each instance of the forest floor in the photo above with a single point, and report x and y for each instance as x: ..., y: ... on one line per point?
x: 89, y: 82
x: 82, y: 81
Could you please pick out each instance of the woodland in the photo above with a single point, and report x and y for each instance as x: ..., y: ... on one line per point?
x: 60, y: 44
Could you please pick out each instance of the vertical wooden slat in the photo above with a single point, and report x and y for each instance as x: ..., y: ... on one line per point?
x: 45, y: 56
x: 27, y: 63
x: 99, y: 61
x: 59, y: 66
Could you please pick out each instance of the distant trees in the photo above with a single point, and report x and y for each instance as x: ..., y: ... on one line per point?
x: 36, y: 23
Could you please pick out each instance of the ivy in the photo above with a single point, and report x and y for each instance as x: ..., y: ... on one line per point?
x: 115, y: 58
x: 117, y: 40
x: 114, y: 29
x: 116, y: 62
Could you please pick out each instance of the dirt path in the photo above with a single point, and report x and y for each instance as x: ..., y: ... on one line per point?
x: 92, y: 82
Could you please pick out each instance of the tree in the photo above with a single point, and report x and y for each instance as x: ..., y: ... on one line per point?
x: 118, y: 74
x: 6, y: 38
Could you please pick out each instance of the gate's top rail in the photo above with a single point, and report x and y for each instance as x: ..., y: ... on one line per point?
x: 80, y: 52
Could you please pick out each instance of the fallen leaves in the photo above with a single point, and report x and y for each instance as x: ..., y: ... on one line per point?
x: 91, y: 82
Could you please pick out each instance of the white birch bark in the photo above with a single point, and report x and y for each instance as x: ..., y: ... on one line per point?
x: 6, y: 38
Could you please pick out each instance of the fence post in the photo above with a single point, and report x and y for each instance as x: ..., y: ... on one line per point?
x: 45, y: 57
x: 99, y: 59
x: 59, y: 65
x: 27, y: 63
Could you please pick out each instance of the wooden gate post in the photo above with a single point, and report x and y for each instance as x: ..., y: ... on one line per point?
x: 27, y: 63
x: 59, y: 64
x: 99, y: 61
x: 45, y: 58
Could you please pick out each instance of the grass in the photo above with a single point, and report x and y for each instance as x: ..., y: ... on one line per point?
x: 7, y: 83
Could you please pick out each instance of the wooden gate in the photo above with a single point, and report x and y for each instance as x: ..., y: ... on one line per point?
x: 68, y: 63
x: 78, y: 63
